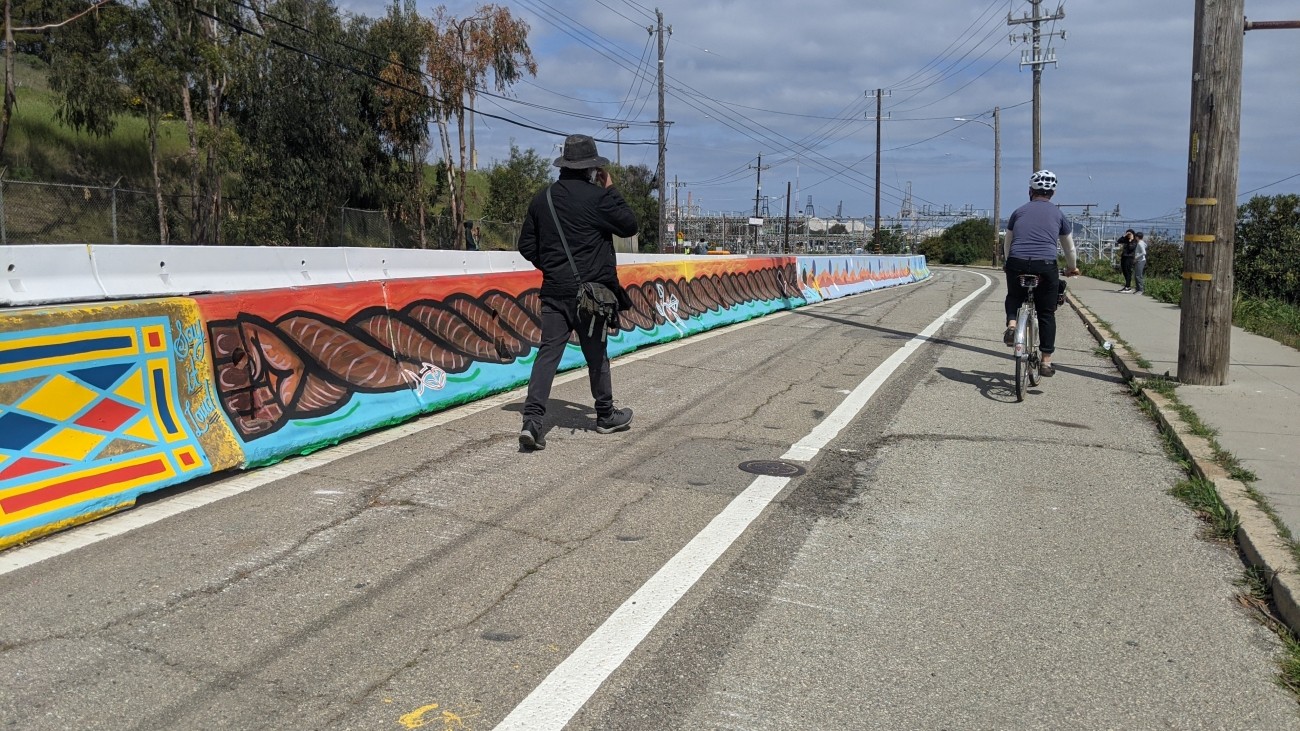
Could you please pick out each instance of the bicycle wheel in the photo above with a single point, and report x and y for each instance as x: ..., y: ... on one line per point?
x: 1031, y: 349
x: 1023, y: 332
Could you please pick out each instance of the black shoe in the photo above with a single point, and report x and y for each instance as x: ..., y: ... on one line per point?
x: 530, y: 437
x: 619, y: 420
x: 1009, y: 337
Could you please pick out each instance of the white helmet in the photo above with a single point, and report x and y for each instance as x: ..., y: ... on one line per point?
x: 1043, y: 180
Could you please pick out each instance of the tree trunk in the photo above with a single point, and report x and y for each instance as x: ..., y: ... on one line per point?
x: 458, y: 214
x: 196, y: 203
x: 445, y: 137
x: 152, y: 118
x: 216, y: 90
x: 10, y: 97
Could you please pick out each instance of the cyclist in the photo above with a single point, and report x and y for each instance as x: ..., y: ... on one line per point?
x: 1033, y: 233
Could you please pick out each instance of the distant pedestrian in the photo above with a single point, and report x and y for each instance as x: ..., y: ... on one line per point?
x: 1140, y: 265
x: 568, y: 234
x: 1127, y: 253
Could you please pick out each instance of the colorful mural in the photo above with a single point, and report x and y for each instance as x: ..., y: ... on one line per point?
x: 296, y: 370
x: 99, y: 405
x: 827, y: 277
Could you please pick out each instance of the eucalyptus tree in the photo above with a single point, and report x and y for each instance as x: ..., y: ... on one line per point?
x: 462, y: 55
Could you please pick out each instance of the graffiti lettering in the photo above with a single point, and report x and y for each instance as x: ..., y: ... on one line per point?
x: 668, y: 308
x: 430, y: 378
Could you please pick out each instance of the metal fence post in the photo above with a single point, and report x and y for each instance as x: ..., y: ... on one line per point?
x: 113, y: 207
x: 4, y: 238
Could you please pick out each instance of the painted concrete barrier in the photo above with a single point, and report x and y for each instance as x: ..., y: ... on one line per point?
x: 100, y: 403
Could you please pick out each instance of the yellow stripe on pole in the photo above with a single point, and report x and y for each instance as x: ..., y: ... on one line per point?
x: 1198, y: 276
x: 1200, y: 238
x: 1202, y: 201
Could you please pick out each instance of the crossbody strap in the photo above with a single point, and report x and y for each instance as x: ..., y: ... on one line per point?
x: 563, y: 242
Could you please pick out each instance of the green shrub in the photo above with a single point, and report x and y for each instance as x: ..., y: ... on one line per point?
x: 1164, y: 260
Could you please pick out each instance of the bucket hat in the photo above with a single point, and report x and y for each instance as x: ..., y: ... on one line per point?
x: 580, y: 154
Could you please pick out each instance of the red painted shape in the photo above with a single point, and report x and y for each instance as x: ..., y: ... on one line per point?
x: 187, y: 459
x: 155, y: 339
x: 26, y: 500
x: 26, y: 466
x: 107, y: 415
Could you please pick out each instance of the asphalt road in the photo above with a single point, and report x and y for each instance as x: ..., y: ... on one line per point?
x: 952, y: 559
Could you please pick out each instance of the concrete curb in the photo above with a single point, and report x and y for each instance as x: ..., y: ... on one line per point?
x: 1257, y: 535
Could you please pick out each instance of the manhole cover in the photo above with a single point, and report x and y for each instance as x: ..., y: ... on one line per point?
x: 772, y: 468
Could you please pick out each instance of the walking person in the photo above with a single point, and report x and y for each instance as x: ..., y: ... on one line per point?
x: 1034, y: 231
x: 1127, y: 252
x: 1140, y: 265
x: 567, y: 234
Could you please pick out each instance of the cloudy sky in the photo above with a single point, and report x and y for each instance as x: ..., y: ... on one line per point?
x: 790, y: 80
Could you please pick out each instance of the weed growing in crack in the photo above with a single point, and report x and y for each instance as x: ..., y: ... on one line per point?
x: 1204, y: 500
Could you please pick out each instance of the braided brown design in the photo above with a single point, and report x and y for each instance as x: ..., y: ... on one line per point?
x: 307, y: 365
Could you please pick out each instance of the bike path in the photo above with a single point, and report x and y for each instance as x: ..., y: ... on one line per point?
x: 1253, y: 414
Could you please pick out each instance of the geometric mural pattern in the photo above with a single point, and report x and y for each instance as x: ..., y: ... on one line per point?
x: 89, y: 419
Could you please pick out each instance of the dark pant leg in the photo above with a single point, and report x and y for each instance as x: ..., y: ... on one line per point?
x: 1126, y: 266
x: 555, y: 334
x: 1015, y: 292
x: 1045, y: 296
x: 593, y: 349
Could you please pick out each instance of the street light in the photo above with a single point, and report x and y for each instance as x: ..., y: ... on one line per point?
x: 997, y: 177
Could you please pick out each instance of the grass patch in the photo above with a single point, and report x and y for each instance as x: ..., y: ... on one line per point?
x: 1115, y: 338
x: 1204, y: 500
x: 1256, y: 597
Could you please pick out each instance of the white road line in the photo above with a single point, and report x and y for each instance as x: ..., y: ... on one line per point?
x: 808, y: 447
x: 572, y: 683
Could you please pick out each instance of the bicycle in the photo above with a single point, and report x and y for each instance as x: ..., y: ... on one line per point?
x: 1026, y: 354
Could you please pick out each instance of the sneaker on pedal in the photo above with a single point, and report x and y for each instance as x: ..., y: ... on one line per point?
x: 530, y: 437
x: 618, y: 420
x: 1009, y: 337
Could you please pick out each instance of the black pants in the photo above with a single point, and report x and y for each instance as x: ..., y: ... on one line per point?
x: 559, y: 318
x: 1045, y: 296
x: 1126, y: 266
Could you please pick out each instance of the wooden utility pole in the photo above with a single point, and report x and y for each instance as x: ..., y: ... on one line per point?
x: 758, y: 195
x: 618, y: 142
x: 997, y: 186
x: 1037, y: 59
x: 1205, y: 324
x: 660, y: 171
x: 880, y: 94
x: 785, y: 249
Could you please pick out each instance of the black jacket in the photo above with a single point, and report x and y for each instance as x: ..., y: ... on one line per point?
x: 591, y: 216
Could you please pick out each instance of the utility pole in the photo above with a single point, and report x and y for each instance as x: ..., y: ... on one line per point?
x: 1205, y: 323
x: 660, y: 172
x: 785, y: 249
x: 880, y: 94
x: 677, y: 212
x: 997, y: 185
x: 1037, y: 59
x: 758, y: 195
x: 618, y: 142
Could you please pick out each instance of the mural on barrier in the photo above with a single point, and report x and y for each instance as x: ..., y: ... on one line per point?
x: 99, y: 404
x: 296, y: 370
x: 824, y: 277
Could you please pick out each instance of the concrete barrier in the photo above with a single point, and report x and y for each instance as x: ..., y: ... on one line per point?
x: 102, y: 402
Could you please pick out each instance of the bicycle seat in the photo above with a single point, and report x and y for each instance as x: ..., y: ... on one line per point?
x: 1028, y: 280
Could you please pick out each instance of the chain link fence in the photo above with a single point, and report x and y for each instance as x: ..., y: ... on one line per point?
x: 59, y: 213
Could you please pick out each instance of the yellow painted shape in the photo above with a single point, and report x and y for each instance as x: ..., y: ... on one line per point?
x: 195, y: 461
x: 169, y: 396
x: 143, y: 430
x: 48, y: 528
x: 132, y: 389
x: 1198, y: 276
x: 64, y: 338
x: 167, y: 473
x: 59, y: 399
x: 71, y: 444
x: 415, y: 719
x: 1202, y: 201
x: 1200, y: 238
x: 160, y: 336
